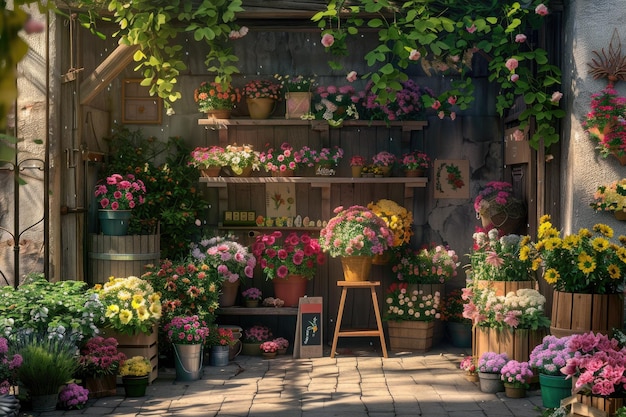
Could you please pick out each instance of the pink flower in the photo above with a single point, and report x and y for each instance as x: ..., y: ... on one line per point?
x: 514, y: 78
x: 556, y: 97
x: 452, y: 100
x: 471, y: 29
x: 453, y: 115
x: 511, y: 64
x: 520, y: 38
x: 441, y: 115
x: 33, y: 26
x: 518, y: 135
x: 541, y: 10
x: 436, y: 105
x: 351, y: 77
x: 414, y: 55
x: 328, y: 40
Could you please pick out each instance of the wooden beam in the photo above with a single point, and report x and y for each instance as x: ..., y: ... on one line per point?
x: 106, y: 72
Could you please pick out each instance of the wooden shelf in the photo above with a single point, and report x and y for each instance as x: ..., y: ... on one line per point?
x: 271, y: 228
x: 258, y: 311
x: 316, y: 182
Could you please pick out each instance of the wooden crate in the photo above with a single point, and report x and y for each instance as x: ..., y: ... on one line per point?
x: 592, y: 406
x: 580, y: 313
x: 138, y: 345
x: 416, y: 336
x: 517, y: 343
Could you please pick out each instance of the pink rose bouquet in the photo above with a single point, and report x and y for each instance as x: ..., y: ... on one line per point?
x: 120, y: 192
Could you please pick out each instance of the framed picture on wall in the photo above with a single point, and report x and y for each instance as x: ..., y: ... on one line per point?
x: 451, y: 178
x: 280, y: 200
x: 138, y: 106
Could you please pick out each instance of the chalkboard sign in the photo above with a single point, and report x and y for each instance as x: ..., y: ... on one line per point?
x: 309, y: 337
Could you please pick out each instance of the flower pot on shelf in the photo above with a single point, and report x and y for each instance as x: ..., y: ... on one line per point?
x: 297, y: 104
x: 219, y: 114
x: 290, y: 289
x: 114, y: 222
x: 356, y: 171
x: 554, y: 388
x: 356, y: 268
x: 135, y: 386
x: 210, y: 172
x: 512, y: 391
x: 188, y: 362
x: 580, y: 313
x: 252, y: 303
x: 490, y: 382
x: 261, y: 108
x: 285, y: 173
x: 411, y: 173
x: 228, y: 294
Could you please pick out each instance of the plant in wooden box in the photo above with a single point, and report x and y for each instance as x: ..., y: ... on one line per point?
x: 280, y: 162
x: 99, y: 362
x: 230, y: 259
x: 514, y: 323
x: 47, y: 364
x: 516, y: 376
x: 117, y: 196
x: 261, y: 97
x: 458, y: 328
x: 289, y: 263
x: 355, y: 234
x: 252, y: 296
x: 497, y: 206
x: 585, y: 269
x: 400, y: 222
x: 489, y: 366
x: 548, y: 358
x: 135, y: 373
x: 415, y: 163
x: 188, y: 334
x: 297, y: 90
x: 241, y: 160
x: 410, y: 317
x: 335, y: 104
x: 597, y: 364
x: 208, y: 160
x: 252, y: 339
x: 215, y: 99
x: 611, y: 197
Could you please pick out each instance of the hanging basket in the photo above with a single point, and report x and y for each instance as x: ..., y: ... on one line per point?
x: 509, y: 218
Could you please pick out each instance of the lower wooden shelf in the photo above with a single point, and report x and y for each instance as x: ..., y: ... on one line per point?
x: 258, y: 311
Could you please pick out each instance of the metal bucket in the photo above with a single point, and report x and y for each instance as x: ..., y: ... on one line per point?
x: 188, y: 361
x: 219, y: 355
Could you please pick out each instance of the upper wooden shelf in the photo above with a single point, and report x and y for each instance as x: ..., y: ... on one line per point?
x: 315, y: 124
x: 319, y: 182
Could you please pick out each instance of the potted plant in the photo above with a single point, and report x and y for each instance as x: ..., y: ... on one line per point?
x: 469, y: 366
x: 47, y: 364
x: 415, y: 163
x: 433, y: 264
x: 252, y: 339
x: 357, y: 162
x: 355, y: 234
x: 326, y: 159
x: 73, y: 397
x: 280, y: 162
x: 297, y: 89
x: 117, y: 196
x: 135, y: 373
x: 209, y: 160
x: 289, y: 263
x: 489, y: 366
x: 99, y: 362
x: 252, y: 296
x: 547, y: 359
x: 397, y: 218
x: 242, y: 160
x: 585, y: 263
x: 232, y: 261
x: 385, y: 161
x: 215, y: 99
x: 496, y: 206
x: 410, y: 316
x: 335, y: 104
x: 605, y: 124
x: 410, y: 103
x: 516, y: 375
x: 269, y: 349
x: 283, y: 345
x: 9, y: 364
x: 261, y: 96
x: 188, y: 335
x: 459, y: 328
x: 611, y: 197
x: 221, y: 339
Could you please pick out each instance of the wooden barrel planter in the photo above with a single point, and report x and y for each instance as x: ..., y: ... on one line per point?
x: 142, y: 344
x: 502, y: 288
x: 439, y: 330
x: 121, y: 256
x: 517, y: 343
x: 415, y: 336
x: 574, y: 313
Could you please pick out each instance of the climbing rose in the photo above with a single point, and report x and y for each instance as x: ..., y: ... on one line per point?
x: 452, y: 100
x: 351, y: 77
x: 514, y: 78
x: 436, y: 105
x: 556, y: 97
x: 520, y: 38
x: 471, y: 29
x: 414, y: 55
x: 328, y: 40
x: 511, y: 64
x: 541, y: 10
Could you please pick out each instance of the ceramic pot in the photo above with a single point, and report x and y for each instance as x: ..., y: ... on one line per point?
x: 114, y: 222
x: 490, y: 382
x: 228, y: 294
x: 356, y: 268
x: 135, y: 386
x: 261, y: 108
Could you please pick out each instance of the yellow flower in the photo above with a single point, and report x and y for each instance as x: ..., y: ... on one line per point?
x: 123, y: 295
x: 552, y: 243
x: 155, y: 309
x: 570, y: 242
x: 126, y: 316
x: 600, y: 244
x: 143, y: 313
x: 584, y: 233
x: 614, y: 271
x: 551, y: 276
x: 604, y: 230
x: 112, y: 310
x: 138, y: 301
x: 524, y: 253
x: 545, y: 218
x: 586, y: 263
x: 536, y: 264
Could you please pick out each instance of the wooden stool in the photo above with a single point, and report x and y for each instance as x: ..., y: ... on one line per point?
x: 358, y: 332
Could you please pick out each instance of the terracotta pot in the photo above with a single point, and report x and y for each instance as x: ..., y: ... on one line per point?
x: 210, y: 172
x: 620, y: 215
x: 285, y: 173
x: 414, y: 173
x: 290, y: 289
x: 219, y: 114
x: 228, y: 295
x: 261, y: 108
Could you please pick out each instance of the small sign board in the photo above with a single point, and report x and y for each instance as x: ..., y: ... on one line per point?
x: 309, y: 338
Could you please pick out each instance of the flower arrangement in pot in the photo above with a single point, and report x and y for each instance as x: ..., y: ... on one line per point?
x: 611, y: 197
x: 135, y: 373
x: 99, y: 362
x: 282, y: 161
x: 188, y: 335
x: 9, y: 364
x: 132, y: 305
x: 261, y: 96
x: 496, y: 206
x: 241, y: 160
x: 252, y: 296
x: 605, y: 122
x: 458, y: 328
x: 410, y: 103
x: 283, y: 345
x: 355, y: 233
x: 385, y: 161
x: 415, y: 163
x: 297, y: 91
x: 215, y: 98
x: 252, y: 339
x: 489, y: 366
x: 116, y: 197
x: 468, y: 364
x: 516, y: 375
x: 335, y: 104
x: 288, y: 262
x: 434, y: 264
x: 357, y: 162
x: 269, y: 348
x: 398, y: 219
x: 73, y: 397
x: 547, y: 359
x: 209, y: 160
x: 327, y: 158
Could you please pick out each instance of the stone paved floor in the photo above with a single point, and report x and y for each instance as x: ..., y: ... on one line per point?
x: 356, y: 383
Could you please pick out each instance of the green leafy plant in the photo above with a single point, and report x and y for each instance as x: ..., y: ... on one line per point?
x: 443, y: 36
